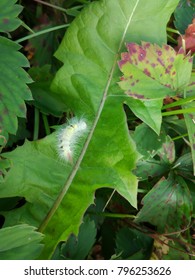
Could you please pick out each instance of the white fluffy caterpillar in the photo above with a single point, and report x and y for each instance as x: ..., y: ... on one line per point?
x: 68, y: 138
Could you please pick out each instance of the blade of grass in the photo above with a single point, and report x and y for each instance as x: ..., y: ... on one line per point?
x: 41, y: 33
x: 179, y: 102
x: 178, y: 112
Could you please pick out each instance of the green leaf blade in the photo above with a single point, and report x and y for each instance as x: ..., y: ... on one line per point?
x: 9, y: 20
x: 13, y: 88
x: 168, y: 206
x: 20, y: 242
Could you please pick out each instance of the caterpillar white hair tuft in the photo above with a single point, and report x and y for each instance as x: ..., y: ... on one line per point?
x: 68, y: 138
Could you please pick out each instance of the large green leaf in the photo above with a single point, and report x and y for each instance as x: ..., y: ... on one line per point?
x: 57, y: 193
x: 9, y: 12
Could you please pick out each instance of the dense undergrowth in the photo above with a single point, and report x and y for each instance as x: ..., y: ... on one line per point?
x: 97, y: 129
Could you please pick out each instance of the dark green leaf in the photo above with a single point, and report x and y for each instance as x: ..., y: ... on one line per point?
x: 184, y: 14
x: 147, y: 141
x: 9, y: 12
x: 168, y: 205
x: 77, y: 248
x: 44, y: 99
x: 133, y: 245
x: 13, y: 88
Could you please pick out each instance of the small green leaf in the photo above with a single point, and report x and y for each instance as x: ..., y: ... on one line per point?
x: 77, y: 248
x: 20, y: 242
x: 168, y: 205
x: 184, y: 14
x: 9, y: 20
x: 167, y: 151
x: 184, y: 166
x: 133, y: 245
x: 147, y: 141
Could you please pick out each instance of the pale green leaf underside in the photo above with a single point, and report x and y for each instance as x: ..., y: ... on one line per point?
x: 89, y: 75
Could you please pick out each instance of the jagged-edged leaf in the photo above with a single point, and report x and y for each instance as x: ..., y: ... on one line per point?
x: 184, y: 13
x: 57, y: 193
x: 151, y: 73
x: 133, y: 245
x: 13, y: 88
x: 168, y: 205
x: 9, y: 12
x: 20, y: 242
x: 77, y: 248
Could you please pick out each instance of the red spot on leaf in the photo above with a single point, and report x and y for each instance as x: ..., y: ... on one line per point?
x: 5, y: 21
x: 167, y: 71
x: 147, y: 72
x: 137, y: 96
x: 166, y: 47
x: 159, y: 53
x: 147, y: 45
x: 160, y: 61
x: 170, y: 66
